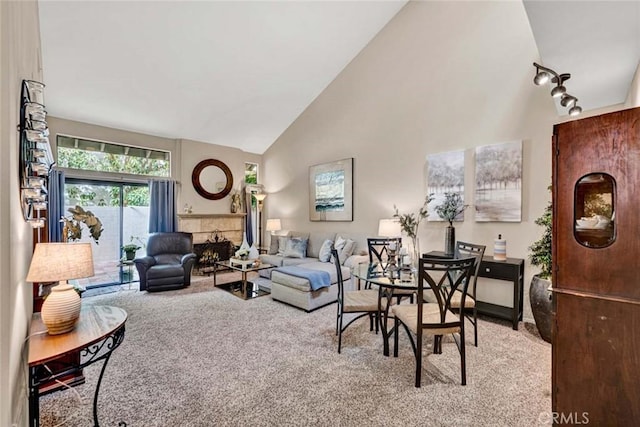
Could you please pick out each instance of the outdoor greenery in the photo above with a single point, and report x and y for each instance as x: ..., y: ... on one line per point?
x: 410, y: 222
x: 451, y: 207
x: 105, y: 162
x: 540, y: 250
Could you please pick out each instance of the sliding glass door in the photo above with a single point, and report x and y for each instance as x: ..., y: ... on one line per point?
x: 123, y: 210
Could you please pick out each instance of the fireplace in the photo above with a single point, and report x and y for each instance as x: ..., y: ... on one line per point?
x: 210, y: 251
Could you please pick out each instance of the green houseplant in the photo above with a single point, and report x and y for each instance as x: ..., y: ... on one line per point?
x: 540, y: 288
x: 131, y: 248
x: 448, y: 210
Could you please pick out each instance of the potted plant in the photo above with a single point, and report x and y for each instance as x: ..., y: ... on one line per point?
x: 448, y: 210
x: 540, y: 288
x: 131, y: 248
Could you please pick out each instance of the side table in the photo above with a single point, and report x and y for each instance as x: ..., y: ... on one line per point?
x: 99, y: 331
x: 128, y: 263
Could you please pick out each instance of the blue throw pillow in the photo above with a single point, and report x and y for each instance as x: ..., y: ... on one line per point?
x: 296, y: 248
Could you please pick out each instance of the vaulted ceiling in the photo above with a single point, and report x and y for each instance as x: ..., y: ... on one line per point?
x: 239, y: 73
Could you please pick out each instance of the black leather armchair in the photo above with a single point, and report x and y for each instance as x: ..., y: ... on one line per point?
x: 168, y: 263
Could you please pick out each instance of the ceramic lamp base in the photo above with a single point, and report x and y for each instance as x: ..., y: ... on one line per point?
x: 61, y: 309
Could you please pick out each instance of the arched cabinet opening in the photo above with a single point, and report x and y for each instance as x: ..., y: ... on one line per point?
x: 594, y: 210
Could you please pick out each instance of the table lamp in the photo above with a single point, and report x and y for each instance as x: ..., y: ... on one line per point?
x: 59, y: 262
x: 274, y: 225
x: 389, y: 227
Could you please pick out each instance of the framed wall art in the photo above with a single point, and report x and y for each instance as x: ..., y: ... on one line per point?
x: 331, y: 191
x: 498, y: 195
x: 445, y: 174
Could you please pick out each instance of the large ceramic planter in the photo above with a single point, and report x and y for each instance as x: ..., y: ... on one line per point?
x: 541, y: 306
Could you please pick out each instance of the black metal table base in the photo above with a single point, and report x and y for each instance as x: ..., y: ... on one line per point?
x: 40, y: 374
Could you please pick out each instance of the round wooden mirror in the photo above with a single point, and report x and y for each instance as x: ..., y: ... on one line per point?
x: 212, y: 179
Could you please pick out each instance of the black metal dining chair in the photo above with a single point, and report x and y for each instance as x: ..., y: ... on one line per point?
x: 379, y: 252
x: 470, y: 311
x: 444, y: 277
x: 362, y: 302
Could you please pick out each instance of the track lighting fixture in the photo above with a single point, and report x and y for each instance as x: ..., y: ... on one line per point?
x: 545, y: 75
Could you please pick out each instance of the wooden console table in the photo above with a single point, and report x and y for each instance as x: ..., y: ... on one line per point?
x: 99, y: 331
x: 511, y: 270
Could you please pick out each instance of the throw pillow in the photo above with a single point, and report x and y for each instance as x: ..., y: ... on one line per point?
x: 282, y: 244
x: 325, y: 251
x: 296, y: 248
x: 346, y: 251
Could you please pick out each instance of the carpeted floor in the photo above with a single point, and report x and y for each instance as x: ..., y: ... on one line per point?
x: 203, y: 357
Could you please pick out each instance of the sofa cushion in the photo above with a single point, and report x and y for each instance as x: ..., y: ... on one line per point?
x: 302, y: 284
x: 297, y: 261
x: 272, y: 259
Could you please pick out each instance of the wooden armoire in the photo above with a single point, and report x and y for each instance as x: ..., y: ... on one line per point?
x: 596, y: 270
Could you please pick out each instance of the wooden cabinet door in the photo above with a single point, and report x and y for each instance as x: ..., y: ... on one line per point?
x: 596, y: 338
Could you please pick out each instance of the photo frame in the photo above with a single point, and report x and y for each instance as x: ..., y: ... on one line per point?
x: 445, y: 174
x: 498, y: 177
x: 331, y: 191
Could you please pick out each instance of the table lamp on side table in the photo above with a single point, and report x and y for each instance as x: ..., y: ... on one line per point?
x: 59, y: 262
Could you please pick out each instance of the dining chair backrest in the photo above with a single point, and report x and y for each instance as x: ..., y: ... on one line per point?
x: 465, y: 250
x: 379, y: 249
x: 444, y: 277
x: 340, y: 280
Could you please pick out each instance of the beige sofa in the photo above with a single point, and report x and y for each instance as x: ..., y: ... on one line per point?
x: 296, y: 291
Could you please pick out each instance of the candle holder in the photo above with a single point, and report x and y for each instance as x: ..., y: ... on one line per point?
x: 393, y: 270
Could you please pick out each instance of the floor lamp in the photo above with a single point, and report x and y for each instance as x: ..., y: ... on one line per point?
x: 260, y: 199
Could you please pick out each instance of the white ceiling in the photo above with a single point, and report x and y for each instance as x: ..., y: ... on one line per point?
x: 597, y: 42
x: 239, y: 73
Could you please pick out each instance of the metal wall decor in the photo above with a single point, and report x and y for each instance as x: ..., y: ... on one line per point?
x: 35, y: 154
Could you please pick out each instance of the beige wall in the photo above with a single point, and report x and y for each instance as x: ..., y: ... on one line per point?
x: 633, y: 99
x: 440, y: 76
x: 192, y: 153
x: 20, y: 59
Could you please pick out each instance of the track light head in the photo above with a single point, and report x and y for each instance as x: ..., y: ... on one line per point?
x: 575, y: 110
x: 542, y: 77
x: 568, y: 100
x: 558, y: 91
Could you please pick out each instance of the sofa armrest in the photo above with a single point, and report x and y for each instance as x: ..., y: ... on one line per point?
x: 145, y: 262
x: 188, y: 257
x: 354, y: 260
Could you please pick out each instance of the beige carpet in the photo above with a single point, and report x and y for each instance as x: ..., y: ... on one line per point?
x: 203, y: 357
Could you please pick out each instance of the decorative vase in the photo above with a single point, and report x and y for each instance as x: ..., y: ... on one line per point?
x: 542, y: 306
x: 415, y: 253
x: 253, y: 252
x: 449, y: 240
x: 61, y: 309
x: 245, y: 244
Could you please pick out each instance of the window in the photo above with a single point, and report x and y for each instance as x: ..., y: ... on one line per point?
x: 86, y: 154
x: 251, y: 173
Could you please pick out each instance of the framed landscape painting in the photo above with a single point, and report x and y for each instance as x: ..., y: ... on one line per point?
x: 331, y: 191
x: 445, y: 174
x: 499, y: 182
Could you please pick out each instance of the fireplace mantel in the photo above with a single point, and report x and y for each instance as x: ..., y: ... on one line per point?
x: 202, y: 226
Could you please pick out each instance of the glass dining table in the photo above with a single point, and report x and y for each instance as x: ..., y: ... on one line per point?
x: 388, y: 288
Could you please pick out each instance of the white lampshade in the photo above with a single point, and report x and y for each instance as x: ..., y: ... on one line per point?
x: 274, y: 224
x: 260, y: 196
x: 389, y: 227
x: 53, y: 262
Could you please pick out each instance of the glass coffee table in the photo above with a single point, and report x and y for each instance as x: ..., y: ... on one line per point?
x: 240, y: 288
